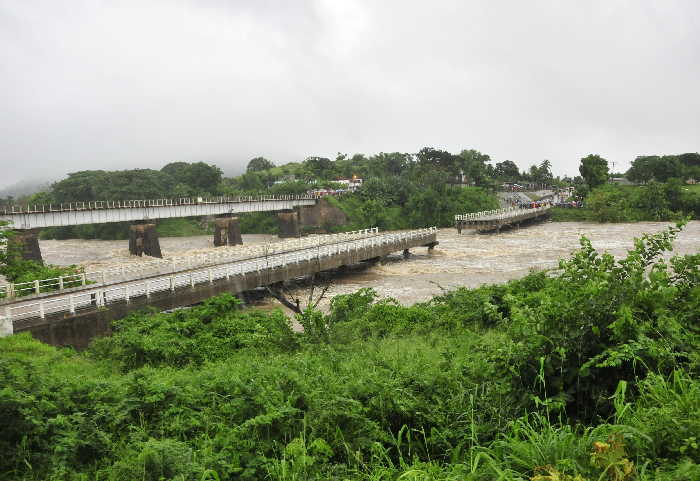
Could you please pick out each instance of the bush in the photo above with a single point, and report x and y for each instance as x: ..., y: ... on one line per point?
x: 588, y: 372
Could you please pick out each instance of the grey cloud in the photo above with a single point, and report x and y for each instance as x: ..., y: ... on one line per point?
x: 124, y: 84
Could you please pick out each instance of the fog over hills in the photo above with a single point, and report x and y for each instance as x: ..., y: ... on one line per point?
x: 132, y: 84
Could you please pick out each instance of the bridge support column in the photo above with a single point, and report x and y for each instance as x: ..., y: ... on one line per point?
x: 431, y: 246
x: 143, y: 239
x: 406, y: 253
x: 227, y: 231
x: 288, y: 224
x: 26, y: 243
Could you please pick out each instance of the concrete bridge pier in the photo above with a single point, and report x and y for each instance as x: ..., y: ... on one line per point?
x: 143, y: 239
x: 406, y: 253
x: 26, y: 243
x: 227, y: 231
x: 288, y: 224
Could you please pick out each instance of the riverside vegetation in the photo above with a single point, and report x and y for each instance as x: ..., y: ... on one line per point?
x: 587, y: 372
x: 654, y: 201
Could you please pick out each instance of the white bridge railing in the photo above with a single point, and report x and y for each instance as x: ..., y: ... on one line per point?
x: 160, y: 266
x: 128, y: 204
x: 499, y: 214
x: 100, y: 296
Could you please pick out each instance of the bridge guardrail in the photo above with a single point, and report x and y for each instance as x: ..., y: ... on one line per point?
x: 498, y: 214
x: 101, y: 296
x: 175, y: 264
x: 128, y: 204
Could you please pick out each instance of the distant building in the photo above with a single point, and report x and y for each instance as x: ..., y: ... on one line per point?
x: 620, y: 181
x: 351, y: 184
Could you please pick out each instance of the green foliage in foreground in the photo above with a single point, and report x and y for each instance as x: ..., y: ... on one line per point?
x: 589, y: 372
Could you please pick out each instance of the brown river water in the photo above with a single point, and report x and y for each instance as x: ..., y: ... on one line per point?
x: 468, y: 260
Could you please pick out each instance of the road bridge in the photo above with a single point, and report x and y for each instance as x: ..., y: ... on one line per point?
x: 143, y: 238
x: 494, y: 220
x: 100, y: 303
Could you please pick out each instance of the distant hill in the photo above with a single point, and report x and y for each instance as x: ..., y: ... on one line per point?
x: 25, y: 187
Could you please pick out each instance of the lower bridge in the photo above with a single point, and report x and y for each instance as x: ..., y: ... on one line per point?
x: 92, y: 307
x: 494, y: 220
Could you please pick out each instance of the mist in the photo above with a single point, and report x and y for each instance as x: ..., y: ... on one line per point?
x: 119, y: 85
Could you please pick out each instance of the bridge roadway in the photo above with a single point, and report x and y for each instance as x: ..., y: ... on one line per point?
x: 125, y: 272
x: 105, y: 302
x: 98, y: 212
x: 494, y: 220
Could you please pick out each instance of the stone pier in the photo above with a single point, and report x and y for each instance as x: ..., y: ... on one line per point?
x: 288, y: 224
x: 227, y: 231
x: 143, y: 239
x: 26, y: 242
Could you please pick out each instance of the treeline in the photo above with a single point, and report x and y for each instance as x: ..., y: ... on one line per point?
x: 400, y: 190
x: 664, y: 193
x: 589, y: 372
x: 469, y: 167
x: 654, y: 201
x: 661, y: 168
x: 175, y: 180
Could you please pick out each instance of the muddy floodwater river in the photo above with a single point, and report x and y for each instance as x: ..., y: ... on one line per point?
x: 460, y: 260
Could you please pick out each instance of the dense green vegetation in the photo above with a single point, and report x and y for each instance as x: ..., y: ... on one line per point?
x: 399, y: 190
x: 653, y: 201
x: 588, y: 372
x: 664, y: 167
x: 397, y: 204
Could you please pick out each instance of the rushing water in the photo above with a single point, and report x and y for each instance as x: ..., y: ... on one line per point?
x: 469, y: 259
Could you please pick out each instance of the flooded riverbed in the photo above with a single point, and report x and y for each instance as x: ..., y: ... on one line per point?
x: 460, y: 260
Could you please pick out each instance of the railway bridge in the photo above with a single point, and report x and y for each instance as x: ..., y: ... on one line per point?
x: 143, y: 239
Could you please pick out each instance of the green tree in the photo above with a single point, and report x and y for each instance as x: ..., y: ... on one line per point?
x: 319, y: 167
x: 474, y: 166
x: 80, y: 186
x: 201, y: 177
x: 594, y: 170
x: 507, y: 170
x: 259, y: 163
x: 641, y: 170
x: 430, y: 158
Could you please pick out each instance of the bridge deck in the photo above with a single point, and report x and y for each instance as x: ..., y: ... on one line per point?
x: 189, y: 286
x: 496, y: 219
x: 98, y: 212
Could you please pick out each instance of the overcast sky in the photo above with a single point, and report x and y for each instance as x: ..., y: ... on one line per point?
x: 123, y: 84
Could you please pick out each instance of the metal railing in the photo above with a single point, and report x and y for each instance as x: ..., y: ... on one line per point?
x: 100, y: 296
x: 158, y: 266
x: 499, y: 214
x: 128, y: 204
